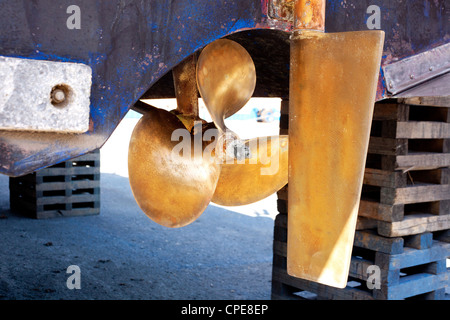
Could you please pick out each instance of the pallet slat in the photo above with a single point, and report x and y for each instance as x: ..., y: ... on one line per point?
x: 70, y: 171
x: 422, y: 161
x: 80, y: 184
x: 414, y: 224
x: 380, y: 211
x: 415, y: 194
x: 423, y: 130
x: 370, y: 240
x: 383, y: 178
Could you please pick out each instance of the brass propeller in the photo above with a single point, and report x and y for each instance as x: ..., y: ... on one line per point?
x: 172, y: 189
x: 226, y: 78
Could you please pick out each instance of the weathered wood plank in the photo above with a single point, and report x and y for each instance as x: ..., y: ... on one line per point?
x: 48, y: 214
x: 415, y: 194
x: 413, y: 257
x: 283, y: 193
x: 442, y: 101
x: 423, y: 130
x: 364, y: 223
x: 414, y: 224
x: 422, y: 161
x: 69, y: 171
x: 380, y: 211
x: 416, y: 284
x: 80, y: 184
x: 388, y: 146
x: 70, y: 199
x: 391, y: 255
x: 372, y: 241
x: 391, y: 111
x: 383, y: 178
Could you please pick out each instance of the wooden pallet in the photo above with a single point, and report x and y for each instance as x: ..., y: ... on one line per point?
x: 71, y: 188
x: 407, y: 177
x: 404, y: 217
x: 410, y: 267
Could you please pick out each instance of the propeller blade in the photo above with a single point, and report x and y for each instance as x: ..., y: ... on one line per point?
x: 262, y: 173
x: 172, y: 189
x: 226, y: 79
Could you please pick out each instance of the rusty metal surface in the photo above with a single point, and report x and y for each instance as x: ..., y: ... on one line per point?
x: 414, y: 70
x: 411, y: 26
x: 128, y: 44
x: 133, y: 45
x: 309, y: 15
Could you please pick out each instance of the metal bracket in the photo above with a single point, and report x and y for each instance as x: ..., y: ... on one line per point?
x: 44, y: 96
x: 410, y: 72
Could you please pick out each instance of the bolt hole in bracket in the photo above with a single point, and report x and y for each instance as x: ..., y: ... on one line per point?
x: 44, y: 96
x: 61, y: 95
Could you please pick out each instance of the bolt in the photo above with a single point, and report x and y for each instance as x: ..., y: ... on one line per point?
x: 58, y: 96
x: 431, y: 68
x: 411, y: 76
